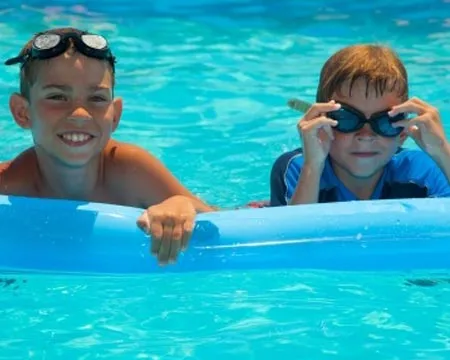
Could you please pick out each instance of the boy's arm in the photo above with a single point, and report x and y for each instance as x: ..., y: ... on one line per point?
x: 148, y: 181
x: 440, y: 185
x: 170, y: 209
x: 292, y: 182
x: 443, y: 160
x: 308, y: 186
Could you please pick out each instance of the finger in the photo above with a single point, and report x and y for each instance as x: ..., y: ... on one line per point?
x: 154, y: 229
x: 156, y: 234
x: 164, y: 250
x: 143, y: 223
x: 414, y: 132
x: 188, y: 228
x: 407, y: 107
x: 320, y: 108
x: 177, y: 234
x: 166, y: 243
x: 419, y: 102
x: 316, y: 124
x: 328, y: 131
x: 175, y: 246
x: 177, y: 229
x: 419, y: 121
x: 168, y: 225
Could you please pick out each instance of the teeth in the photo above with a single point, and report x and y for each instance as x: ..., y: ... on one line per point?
x: 76, y: 137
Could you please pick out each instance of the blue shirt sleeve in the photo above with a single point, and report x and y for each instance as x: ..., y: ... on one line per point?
x: 283, y: 178
x: 439, y: 185
x: 418, y: 167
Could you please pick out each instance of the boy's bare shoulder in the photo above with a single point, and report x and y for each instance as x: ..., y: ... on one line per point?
x: 124, y: 156
x: 4, y: 166
x: 144, y: 177
x: 17, y: 176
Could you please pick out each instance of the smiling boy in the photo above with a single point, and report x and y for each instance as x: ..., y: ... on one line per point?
x: 67, y: 101
x: 352, y: 137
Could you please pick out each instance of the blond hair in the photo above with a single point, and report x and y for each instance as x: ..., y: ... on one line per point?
x: 379, y: 66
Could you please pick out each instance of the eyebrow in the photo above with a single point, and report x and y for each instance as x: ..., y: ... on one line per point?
x: 68, y: 88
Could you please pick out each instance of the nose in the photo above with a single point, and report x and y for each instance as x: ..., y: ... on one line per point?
x: 365, y: 133
x: 79, y: 114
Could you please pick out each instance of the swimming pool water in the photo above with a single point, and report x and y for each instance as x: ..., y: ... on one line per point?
x: 250, y: 315
x: 205, y: 85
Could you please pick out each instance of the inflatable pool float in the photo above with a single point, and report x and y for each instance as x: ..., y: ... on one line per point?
x: 40, y: 235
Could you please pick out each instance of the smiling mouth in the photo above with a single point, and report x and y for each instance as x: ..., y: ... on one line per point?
x: 76, y: 138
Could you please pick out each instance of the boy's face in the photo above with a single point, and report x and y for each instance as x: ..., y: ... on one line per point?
x: 363, y: 154
x: 71, y: 111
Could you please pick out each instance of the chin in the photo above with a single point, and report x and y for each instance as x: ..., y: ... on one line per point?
x: 364, y: 173
x: 73, y: 163
x: 366, y: 169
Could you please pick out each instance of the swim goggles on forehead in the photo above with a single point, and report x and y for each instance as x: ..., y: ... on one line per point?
x: 48, y: 45
x: 350, y: 120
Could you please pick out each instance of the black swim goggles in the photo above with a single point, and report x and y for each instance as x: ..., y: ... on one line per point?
x: 350, y: 120
x: 48, y: 45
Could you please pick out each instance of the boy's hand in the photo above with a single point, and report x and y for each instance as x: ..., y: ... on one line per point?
x: 316, y: 130
x: 170, y: 225
x: 425, y: 129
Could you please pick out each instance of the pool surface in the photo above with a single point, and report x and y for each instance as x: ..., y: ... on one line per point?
x: 236, y: 316
x: 205, y: 85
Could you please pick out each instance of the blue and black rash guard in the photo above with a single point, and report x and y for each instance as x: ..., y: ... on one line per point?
x: 409, y: 174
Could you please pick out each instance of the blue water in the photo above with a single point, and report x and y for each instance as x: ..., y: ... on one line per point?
x: 254, y: 315
x: 205, y: 85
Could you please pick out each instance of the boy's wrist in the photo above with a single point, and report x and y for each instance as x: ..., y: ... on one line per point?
x: 443, y: 156
x: 313, y: 169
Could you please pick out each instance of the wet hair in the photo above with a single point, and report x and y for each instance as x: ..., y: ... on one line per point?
x: 379, y: 67
x: 29, y: 69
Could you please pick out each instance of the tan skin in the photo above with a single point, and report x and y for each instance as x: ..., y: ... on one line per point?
x: 358, y: 158
x: 73, y: 94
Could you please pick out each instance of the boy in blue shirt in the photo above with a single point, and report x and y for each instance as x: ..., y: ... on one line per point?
x: 352, y: 137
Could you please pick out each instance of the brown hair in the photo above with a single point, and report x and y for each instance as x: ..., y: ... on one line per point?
x: 28, y: 73
x: 379, y: 66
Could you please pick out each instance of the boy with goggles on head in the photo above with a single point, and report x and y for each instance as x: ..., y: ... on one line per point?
x: 66, y: 99
x: 352, y: 137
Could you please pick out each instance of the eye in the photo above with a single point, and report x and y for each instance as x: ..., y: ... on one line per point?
x: 98, y: 98
x: 56, y: 97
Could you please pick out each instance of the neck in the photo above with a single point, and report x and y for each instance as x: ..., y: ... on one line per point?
x: 361, y: 187
x: 62, y: 181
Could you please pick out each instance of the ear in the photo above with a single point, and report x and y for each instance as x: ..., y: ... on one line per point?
x: 118, y: 106
x: 19, y: 108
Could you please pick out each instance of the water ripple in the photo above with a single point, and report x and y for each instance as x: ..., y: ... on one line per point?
x: 243, y: 315
x: 216, y: 76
